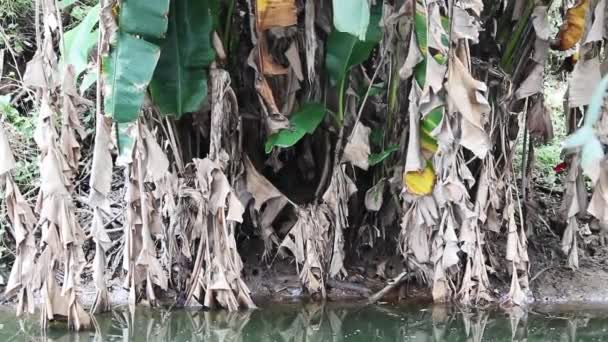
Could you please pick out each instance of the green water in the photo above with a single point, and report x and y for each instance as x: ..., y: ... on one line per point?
x: 332, y: 322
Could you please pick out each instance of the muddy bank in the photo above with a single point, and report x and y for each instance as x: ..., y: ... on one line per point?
x: 553, y: 286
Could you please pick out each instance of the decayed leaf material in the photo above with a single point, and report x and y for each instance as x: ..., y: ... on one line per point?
x: 21, y: 217
x: 573, y: 27
x: 270, y: 14
x: 62, y: 236
x: 217, y: 271
x: 357, y: 150
x: 449, y: 142
x: 7, y: 161
x: 465, y: 96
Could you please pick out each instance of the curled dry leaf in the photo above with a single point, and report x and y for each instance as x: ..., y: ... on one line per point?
x: 101, y: 169
x: 516, y: 296
x: 307, y: 242
x: 375, y: 196
x: 7, y: 160
x: 421, y: 214
x: 533, y: 84
x: 465, y: 95
x: 598, y: 206
x: 586, y: 77
x: 540, y: 125
x: 22, y: 220
x: 357, y: 150
x: 336, y: 200
x: 597, y: 31
x: 569, y: 244
x: 216, y: 277
x: 61, y: 234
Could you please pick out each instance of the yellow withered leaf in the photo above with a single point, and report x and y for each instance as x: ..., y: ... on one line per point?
x: 276, y: 13
x: 420, y: 183
x: 573, y: 27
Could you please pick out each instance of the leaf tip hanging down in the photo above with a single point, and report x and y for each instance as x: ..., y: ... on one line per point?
x: 303, y: 122
x: 7, y: 160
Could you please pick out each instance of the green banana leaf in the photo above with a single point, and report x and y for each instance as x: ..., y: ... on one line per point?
x: 180, y: 81
x: 147, y: 18
x: 377, y: 158
x: 128, y: 71
x: 420, y: 26
x: 80, y: 40
x: 129, y: 68
x: 345, y: 50
x: 304, y: 121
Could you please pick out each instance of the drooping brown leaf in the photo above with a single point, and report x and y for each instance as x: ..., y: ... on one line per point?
x: 307, y: 242
x: 569, y: 244
x: 102, y: 244
x: 597, y: 31
x: 220, y: 281
x: 540, y: 124
x: 573, y: 27
x: 533, y: 84
x: 101, y: 169
x: 357, y: 150
x: 375, y: 196
x: 335, y: 199
x: 598, y: 206
x: 7, y: 160
x: 585, y: 78
x: 465, y: 95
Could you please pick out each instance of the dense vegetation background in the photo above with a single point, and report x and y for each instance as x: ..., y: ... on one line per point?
x: 183, y: 149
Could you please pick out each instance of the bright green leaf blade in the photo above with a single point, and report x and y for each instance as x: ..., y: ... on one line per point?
x: 352, y: 16
x: 377, y: 158
x: 374, y: 31
x: 146, y: 18
x: 374, y: 90
x: 376, y: 137
x: 432, y: 119
x: 339, y: 50
x: 420, y: 73
x: 360, y: 53
x: 306, y: 120
x: 421, y: 27
x: 180, y: 82
x: 80, y: 40
x: 127, y: 72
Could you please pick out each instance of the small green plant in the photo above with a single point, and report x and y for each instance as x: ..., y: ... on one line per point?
x: 13, y: 16
x: 22, y: 126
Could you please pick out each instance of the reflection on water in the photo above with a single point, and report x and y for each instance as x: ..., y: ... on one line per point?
x: 331, y: 322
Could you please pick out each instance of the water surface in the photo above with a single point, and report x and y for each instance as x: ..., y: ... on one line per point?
x: 331, y: 322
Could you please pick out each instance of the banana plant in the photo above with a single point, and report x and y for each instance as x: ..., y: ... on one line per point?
x: 356, y: 34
